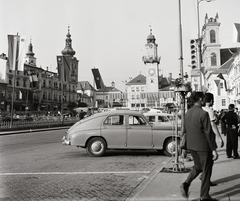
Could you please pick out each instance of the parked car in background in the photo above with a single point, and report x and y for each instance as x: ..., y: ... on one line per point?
x: 119, y: 129
x: 163, y: 120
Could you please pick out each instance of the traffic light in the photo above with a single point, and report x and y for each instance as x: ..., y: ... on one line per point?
x: 194, y: 53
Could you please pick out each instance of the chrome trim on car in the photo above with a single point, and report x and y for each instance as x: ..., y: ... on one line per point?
x: 65, y: 141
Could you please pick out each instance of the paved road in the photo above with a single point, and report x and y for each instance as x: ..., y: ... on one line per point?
x: 36, y: 166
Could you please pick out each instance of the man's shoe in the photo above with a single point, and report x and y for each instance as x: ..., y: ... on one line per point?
x: 212, y: 184
x: 229, y: 156
x: 236, y: 157
x: 209, y: 199
x: 184, y: 190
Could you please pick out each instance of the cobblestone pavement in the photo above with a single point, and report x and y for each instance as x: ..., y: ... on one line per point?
x: 71, y: 187
x: 38, y: 167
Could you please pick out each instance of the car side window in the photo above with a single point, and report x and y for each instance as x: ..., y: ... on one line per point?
x: 151, y: 118
x: 114, y: 120
x: 165, y: 119
x: 160, y: 119
x: 136, y: 120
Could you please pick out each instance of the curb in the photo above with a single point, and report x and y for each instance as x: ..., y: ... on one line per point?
x: 32, y: 130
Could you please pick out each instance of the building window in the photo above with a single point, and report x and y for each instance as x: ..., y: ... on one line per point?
x: 133, y: 89
x: 17, y: 83
x: 24, y: 83
x: 137, y: 89
x: 10, y: 82
x: 138, y: 97
x: 213, y: 59
x: 142, y: 88
x: 212, y: 36
x: 223, y: 102
x: 133, y: 97
x: 44, y: 83
x: 221, y: 85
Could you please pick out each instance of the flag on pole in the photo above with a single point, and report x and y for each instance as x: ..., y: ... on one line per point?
x: 16, y: 52
x: 60, y: 67
x: 12, y: 51
x: 21, y: 53
x: 236, y: 32
x: 66, y: 66
x: 35, y: 80
x: 98, y: 79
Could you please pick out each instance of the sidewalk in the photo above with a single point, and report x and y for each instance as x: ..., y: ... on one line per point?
x: 165, y: 185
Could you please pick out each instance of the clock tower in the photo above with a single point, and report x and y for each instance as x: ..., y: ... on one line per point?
x: 151, y: 60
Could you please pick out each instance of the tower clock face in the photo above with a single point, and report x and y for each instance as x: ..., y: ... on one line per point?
x: 151, y: 45
x: 151, y: 71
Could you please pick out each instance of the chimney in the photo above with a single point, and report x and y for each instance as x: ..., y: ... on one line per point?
x: 113, y: 84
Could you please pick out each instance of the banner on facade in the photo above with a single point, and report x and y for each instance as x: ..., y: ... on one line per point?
x: 157, y: 95
x: 148, y: 95
x: 63, y: 67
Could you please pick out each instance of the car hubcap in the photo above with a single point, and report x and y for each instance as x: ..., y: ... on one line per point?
x: 96, y: 146
x: 171, y: 147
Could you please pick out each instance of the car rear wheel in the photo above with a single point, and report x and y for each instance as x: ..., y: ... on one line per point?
x: 170, y: 147
x: 96, y: 147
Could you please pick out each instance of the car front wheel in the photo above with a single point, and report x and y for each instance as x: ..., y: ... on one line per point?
x: 96, y: 147
x: 170, y: 147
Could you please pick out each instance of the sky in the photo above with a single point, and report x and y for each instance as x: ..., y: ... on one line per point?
x: 111, y: 34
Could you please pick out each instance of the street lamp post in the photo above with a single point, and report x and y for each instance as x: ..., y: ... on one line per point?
x: 199, y: 44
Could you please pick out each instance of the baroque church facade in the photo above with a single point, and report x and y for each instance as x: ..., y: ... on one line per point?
x: 38, y: 89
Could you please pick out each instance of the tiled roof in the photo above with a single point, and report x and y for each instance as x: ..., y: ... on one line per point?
x: 139, y: 80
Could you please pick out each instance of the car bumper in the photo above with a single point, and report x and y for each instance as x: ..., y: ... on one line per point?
x: 65, y: 141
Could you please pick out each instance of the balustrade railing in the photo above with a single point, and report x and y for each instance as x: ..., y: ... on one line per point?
x: 40, y: 122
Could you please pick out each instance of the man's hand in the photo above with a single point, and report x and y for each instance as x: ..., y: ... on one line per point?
x: 221, y: 142
x: 215, y: 155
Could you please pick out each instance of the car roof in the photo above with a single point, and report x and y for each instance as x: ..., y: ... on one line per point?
x: 114, y: 112
x: 158, y: 114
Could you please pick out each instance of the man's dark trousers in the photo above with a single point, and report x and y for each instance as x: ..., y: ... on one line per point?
x: 203, y: 162
x: 232, y: 142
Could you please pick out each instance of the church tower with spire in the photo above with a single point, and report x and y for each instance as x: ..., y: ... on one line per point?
x: 211, y: 44
x: 67, y: 63
x: 30, y: 59
x: 151, y: 61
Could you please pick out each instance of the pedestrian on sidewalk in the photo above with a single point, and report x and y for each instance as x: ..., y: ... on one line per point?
x: 202, y: 145
x: 230, y: 119
x: 209, y: 100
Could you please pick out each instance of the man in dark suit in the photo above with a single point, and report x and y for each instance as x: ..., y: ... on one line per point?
x: 202, y: 145
x: 230, y: 119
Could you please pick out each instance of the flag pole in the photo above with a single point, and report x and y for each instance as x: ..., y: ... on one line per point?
x: 13, y: 94
x: 62, y: 102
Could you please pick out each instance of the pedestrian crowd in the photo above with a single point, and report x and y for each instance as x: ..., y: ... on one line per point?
x: 203, y: 138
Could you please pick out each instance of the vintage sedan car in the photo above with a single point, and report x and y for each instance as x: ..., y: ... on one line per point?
x: 120, y: 130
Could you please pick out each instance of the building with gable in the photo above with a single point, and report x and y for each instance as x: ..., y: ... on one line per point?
x: 220, y: 66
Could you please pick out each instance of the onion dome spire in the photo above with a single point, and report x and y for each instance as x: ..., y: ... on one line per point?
x: 30, y: 49
x: 68, y: 51
x: 151, y: 38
